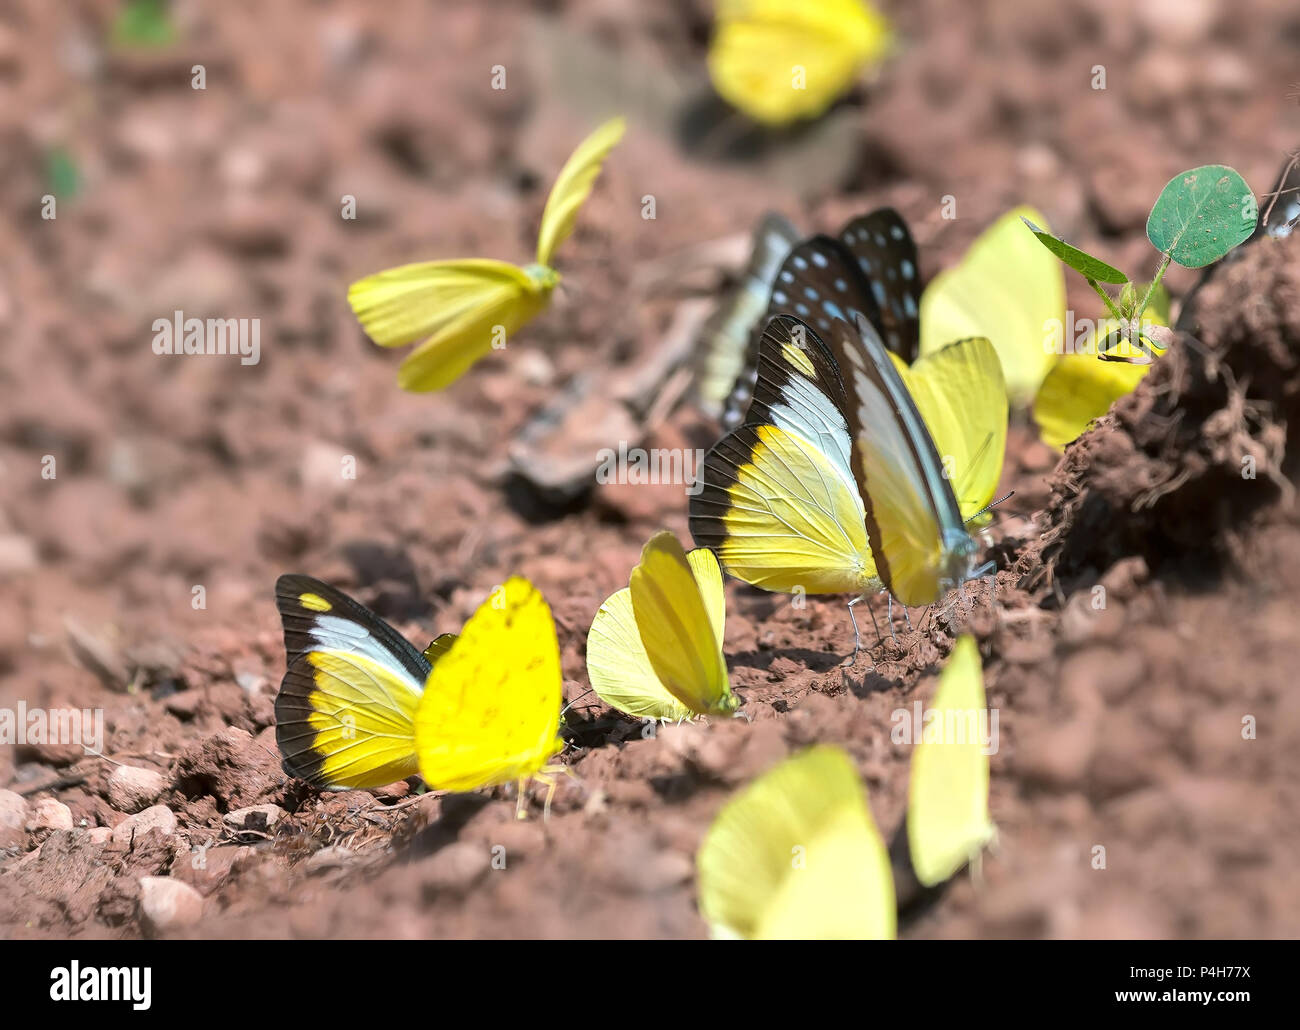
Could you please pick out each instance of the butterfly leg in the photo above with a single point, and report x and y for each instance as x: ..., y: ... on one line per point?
x: 857, y: 637
x: 521, y: 799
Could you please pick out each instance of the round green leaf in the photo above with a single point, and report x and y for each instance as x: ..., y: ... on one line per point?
x: 1090, y: 267
x: 1202, y: 214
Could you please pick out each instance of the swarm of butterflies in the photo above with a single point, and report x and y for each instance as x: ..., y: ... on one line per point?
x: 865, y: 424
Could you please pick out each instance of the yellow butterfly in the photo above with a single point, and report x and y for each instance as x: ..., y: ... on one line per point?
x: 782, y: 60
x: 1080, y: 388
x: 361, y: 707
x: 1009, y: 288
x: 655, y: 647
x: 948, y: 822
x: 796, y: 855
x: 458, y: 311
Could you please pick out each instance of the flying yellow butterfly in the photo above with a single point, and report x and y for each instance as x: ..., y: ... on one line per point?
x: 655, y: 647
x: 782, y: 60
x: 1007, y: 287
x: 796, y: 855
x: 361, y: 707
x: 948, y: 822
x: 459, y: 310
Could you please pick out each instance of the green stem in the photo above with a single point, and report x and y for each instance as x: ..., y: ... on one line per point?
x: 1160, y: 274
x: 1106, y: 297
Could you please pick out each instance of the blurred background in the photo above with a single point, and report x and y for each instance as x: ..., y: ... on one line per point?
x: 173, y: 473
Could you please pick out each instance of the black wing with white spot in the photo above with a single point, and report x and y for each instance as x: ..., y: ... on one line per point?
x: 820, y: 282
x: 886, y: 255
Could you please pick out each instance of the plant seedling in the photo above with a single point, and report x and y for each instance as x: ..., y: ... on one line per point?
x: 1200, y: 215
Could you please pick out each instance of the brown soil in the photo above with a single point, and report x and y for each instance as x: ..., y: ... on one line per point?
x: 1120, y: 727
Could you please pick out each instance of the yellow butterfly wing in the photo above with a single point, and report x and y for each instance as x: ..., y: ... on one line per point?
x: 1081, y: 387
x: 948, y: 820
x: 782, y: 60
x: 781, y: 515
x: 1009, y: 288
x: 962, y: 396
x: 1078, y: 390
x: 796, y: 854
x: 619, y: 668
x: 617, y: 663
x: 459, y: 310
x: 677, y: 628
x: 345, y: 710
x: 490, y: 711
x: 778, y: 503
x: 573, y: 186
x: 918, y: 540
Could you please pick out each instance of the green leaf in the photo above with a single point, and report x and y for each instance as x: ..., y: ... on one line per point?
x: 62, y: 173
x: 144, y: 23
x: 1202, y: 214
x: 1087, y: 265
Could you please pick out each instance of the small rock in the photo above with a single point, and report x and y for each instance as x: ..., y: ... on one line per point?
x: 98, y: 654
x: 99, y: 834
x: 159, y: 817
x: 456, y: 868
x: 185, y: 704
x: 13, y: 818
x: 48, y: 814
x: 17, y: 554
x: 168, y: 904
x: 256, y: 817
x: 131, y: 789
x: 332, y: 857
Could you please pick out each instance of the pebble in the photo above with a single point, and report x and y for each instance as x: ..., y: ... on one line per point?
x: 254, y: 817
x: 48, y: 814
x: 13, y: 818
x: 131, y: 789
x: 456, y: 868
x: 169, y: 904
x: 159, y: 817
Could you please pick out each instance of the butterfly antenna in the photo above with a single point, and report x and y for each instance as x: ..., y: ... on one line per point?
x: 993, y: 504
x: 575, y: 701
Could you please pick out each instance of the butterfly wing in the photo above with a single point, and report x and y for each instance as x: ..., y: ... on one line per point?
x: 453, y: 307
x: 676, y: 628
x: 619, y: 668
x: 948, y: 820
x: 573, y: 186
x: 725, y: 339
x: 490, y: 711
x: 885, y: 252
x: 1009, y: 288
x: 962, y: 397
x: 439, y: 646
x: 344, y: 713
x: 782, y: 60
x: 796, y: 854
x: 917, y: 538
x: 779, y: 504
